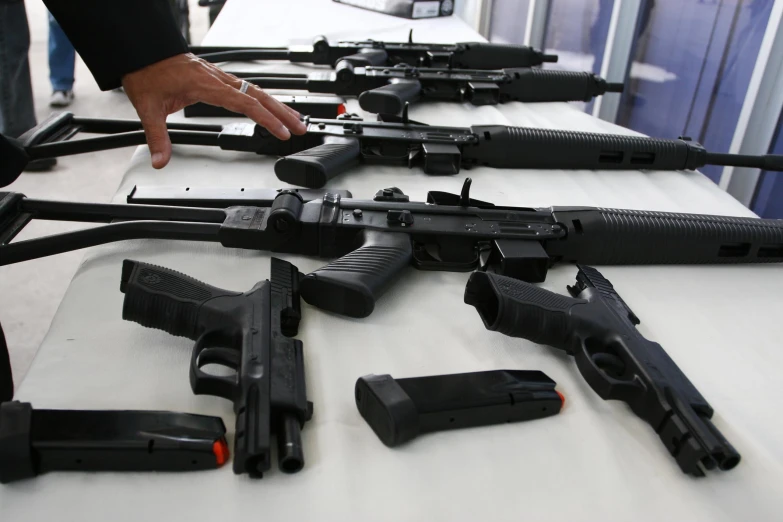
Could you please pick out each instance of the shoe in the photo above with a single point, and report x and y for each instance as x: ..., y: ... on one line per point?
x: 61, y: 99
x: 41, y: 165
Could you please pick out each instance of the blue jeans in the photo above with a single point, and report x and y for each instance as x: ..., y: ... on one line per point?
x: 17, y: 112
x: 62, y: 58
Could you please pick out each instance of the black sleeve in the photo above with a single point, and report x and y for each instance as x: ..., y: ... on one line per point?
x: 115, y: 37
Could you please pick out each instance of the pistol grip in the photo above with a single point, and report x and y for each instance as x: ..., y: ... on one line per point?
x: 312, y: 168
x: 366, y: 58
x: 165, y: 299
x: 519, y: 309
x: 390, y: 99
x: 351, y: 284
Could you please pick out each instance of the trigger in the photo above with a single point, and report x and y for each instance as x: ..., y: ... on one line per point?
x: 609, y: 363
x: 223, y: 356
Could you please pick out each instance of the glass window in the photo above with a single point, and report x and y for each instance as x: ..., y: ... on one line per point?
x: 768, y: 200
x: 576, y: 31
x: 507, y: 21
x: 691, y: 68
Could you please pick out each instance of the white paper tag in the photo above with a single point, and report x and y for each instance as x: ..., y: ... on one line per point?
x: 425, y: 9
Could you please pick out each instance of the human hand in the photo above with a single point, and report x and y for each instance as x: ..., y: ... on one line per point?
x: 174, y: 83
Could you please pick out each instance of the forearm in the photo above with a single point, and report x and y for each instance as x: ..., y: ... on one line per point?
x: 116, y: 37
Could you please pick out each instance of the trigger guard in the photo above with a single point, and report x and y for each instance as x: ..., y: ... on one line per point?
x: 203, y: 383
x: 223, y: 356
x: 606, y: 386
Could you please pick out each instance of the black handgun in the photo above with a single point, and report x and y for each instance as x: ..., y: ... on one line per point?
x: 464, y: 55
x: 386, y: 90
x: 599, y: 330
x: 247, y: 332
x: 371, y: 242
x: 331, y: 147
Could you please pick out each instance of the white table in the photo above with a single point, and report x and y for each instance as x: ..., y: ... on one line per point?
x: 594, y: 461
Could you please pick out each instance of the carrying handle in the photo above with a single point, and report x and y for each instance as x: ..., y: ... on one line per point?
x: 351, y: 285
x: 390, y: 99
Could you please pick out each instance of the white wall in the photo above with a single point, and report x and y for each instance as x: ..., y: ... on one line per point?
x: 469, y: 10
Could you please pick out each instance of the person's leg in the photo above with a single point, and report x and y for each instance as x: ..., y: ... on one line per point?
x: 17, y: 113
x: 62, y: 60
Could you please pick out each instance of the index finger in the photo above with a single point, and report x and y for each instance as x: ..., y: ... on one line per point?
x: 283, y: 112
x: 223, y: 95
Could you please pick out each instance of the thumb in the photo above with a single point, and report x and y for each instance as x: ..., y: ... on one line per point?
x: 157, y: 138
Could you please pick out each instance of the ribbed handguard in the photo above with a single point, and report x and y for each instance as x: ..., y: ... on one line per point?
x: 351, y: 285
x: 528, y: 148
x: 518, y: 309
x: 543, y: 85
x: 312, y: 168
x: 480, y: 55
x: 612, y: 237
x: 164, y: 299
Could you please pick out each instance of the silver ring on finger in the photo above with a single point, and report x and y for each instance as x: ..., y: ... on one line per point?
x: 244, y: 87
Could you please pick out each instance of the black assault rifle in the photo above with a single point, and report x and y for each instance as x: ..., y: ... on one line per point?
x: 385, y: 90
x: 372, y: 241
x: 464, y: 55
x: 331, y: 147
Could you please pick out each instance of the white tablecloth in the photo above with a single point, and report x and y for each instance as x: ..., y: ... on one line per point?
x: 594, y: 461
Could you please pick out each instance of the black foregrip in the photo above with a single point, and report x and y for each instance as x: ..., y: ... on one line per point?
x: 518, y: 309
x: 351, y: 285
x: 618, y: 237
x: 390, y: 99
x: 312, y: 168
x: 480, y: 55
x: 521, y: 147
x: 165, y: 299
x: 543, y: 85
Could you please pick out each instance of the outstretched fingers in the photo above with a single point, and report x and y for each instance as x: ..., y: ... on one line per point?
x: 288, y: 116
